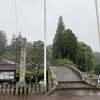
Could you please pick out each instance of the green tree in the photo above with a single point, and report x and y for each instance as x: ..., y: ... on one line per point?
x: 97, y: 69
x: 28, y: 51
x: 57, y: 41
x: 84, y: 56
x: 11, y: 48
x: 28, y: 46
x: 8, y: 56
x: 3, y: 42
x: 36, y: 57
x: 18, y: 47
x: 36, y: 51
x: 96, y: 57
x: 15, y: 47
x: 65, y: 43
x: 70, y: 46
x: 61, y: 62
x: 49, y: 53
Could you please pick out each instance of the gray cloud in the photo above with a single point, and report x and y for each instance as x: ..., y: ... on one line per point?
x: 78, y: 15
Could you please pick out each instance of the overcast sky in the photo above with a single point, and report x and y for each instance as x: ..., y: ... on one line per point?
x: 78, y: 15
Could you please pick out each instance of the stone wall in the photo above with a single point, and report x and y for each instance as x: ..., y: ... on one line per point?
x: 53, y: 79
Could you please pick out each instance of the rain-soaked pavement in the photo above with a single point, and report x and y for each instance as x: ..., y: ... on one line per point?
x: 40, y: 97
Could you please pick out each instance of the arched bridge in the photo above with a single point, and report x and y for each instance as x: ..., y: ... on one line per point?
x: 68, y: 80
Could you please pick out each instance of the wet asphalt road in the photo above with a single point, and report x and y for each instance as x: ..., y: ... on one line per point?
x: 39, y: 97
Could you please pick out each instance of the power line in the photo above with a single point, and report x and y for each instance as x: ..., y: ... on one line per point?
x: 97, y: 15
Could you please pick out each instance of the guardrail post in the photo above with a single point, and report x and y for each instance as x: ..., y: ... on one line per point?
x: 29, y: 89
x: 25, y: 89
x: 0, y: 89
x: 37, y: 89
x: 12, y: 89
x: 21, y: 89
x: 33, y: 89
x: 49, y: 86
x: 8, y: 89
x: 17, y: 88
x: 41, y: 88
x: 4, y: 89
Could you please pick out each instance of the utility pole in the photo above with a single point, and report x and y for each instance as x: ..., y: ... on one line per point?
x: 85, y: 58
x: 16, y: 50
x: 44, y: 43
x: 97, y: 15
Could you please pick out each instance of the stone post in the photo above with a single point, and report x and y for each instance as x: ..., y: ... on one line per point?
x: 0, y: 89
x: 22, y: 63
x: 25, y: 89
x: 12, y: 89
x: 29, y: 89
x: 8, y: 89
x: 4, y: 89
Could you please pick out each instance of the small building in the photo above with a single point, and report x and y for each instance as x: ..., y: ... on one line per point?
x: 7, y: 72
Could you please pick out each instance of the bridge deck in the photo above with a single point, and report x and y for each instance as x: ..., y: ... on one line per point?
x: 70, y: 83
x: 65, y: 74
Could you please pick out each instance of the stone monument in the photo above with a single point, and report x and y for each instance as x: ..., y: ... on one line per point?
x: 22, y: 81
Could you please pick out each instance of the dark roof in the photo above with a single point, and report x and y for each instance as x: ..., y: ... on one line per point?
x: 7, y: 67
x: 65, y: 74
x: 9, y: 61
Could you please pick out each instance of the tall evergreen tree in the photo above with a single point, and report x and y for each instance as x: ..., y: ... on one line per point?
x: 15, y: 47
x: 65, y: 43
x: 3, y: 42
x: 70, y: 46
x: 57, y: 42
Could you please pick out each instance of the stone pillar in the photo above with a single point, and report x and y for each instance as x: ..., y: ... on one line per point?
x: 8, y: 89
x: 22, y: 63
x: 0, y: 89
x: 29, y: 89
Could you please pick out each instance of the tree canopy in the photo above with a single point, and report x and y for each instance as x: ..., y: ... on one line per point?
x: 3, y: 42
x: 70, y: 46
x: 8, y: 56
x: 96, y: 57
x: 36, y: 51
x: 97, y: 69
x: 57, y: 41
x: 15, y: 47
x: 65, y: 43
x: 82, y: 57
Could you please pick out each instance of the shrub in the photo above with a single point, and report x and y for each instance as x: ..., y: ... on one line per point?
x: 64, y: 61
